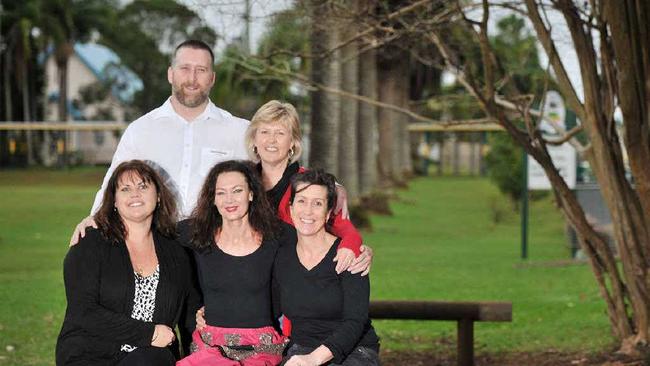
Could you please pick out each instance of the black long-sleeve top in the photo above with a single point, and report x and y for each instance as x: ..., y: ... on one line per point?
x: 100, y: 289
x: 325, y: 308
x: 236, y: 289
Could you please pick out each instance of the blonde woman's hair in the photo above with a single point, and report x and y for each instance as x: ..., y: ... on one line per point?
x: 275, y: 111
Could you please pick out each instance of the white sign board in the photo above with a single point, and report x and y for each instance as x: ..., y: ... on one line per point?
x: 563, y: 156
x: 564, y: 159
x: 554, y: 114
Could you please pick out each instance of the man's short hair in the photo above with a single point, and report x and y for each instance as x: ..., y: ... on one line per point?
x: 194, y: 44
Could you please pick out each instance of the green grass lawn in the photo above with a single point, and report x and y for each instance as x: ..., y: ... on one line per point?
x: 441, y: 243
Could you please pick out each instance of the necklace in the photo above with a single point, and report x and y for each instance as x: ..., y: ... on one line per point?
x: 142, y: 257
x: 140, y: 271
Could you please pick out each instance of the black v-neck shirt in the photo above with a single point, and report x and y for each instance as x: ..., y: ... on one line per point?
x: 236, y: 289
x: 325, y: 308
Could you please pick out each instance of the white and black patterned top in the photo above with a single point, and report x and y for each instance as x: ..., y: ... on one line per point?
x: 144, y: 301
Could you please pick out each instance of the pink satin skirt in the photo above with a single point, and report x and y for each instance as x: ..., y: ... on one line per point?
x: 235, y: 346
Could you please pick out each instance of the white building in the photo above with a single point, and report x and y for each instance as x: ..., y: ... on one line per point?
x: 89, y: 64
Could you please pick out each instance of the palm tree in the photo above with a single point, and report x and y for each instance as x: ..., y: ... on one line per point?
x: 367, y: 122
x: 22, y: 18
x: 348, y: 151
x: 66, y: 22
x: 325, y: 107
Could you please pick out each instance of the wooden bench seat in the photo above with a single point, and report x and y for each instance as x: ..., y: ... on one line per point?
x: 465, y: 313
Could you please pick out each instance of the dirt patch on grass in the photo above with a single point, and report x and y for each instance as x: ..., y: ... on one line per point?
x: 545, y: 358
x: 553, y: 264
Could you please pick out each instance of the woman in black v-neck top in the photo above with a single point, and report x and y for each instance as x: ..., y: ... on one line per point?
x: 329, y: 311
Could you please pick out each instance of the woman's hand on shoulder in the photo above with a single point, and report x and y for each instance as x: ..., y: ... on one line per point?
x: 344, y: 258
x: 80, y: 230
x: 362, y: 263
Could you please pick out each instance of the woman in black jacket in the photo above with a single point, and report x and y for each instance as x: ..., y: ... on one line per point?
x: 127, y: 283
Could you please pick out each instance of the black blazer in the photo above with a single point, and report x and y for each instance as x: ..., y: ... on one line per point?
x: 99, y: 286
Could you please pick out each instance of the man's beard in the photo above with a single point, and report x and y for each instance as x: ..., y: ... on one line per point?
x: 189, y: 101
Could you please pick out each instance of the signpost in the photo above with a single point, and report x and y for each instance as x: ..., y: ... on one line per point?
x: 563, y: 156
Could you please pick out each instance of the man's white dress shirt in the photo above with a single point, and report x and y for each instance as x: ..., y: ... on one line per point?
x: 182, y: 152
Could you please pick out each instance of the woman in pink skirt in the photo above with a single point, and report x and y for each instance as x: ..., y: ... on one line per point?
x: 233, y: 236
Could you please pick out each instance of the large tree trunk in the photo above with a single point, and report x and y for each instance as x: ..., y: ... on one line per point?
x: 629, y: 24
x: 8, y: 102
x: 387, y: 130
x: 63, y: 106
x: 62, y: 103
x: 62, y: 55
x: 392, y: 90
x: 632, y: 53
x: 405, y: 167
x: 625, y: 293
x: 23, y: 73
x: 629, y: 218
x: 367, y: 122
x: 27, y: 117
x: 348, y: 172
x: 325, y: 107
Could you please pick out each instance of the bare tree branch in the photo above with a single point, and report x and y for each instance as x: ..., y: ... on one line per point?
x: 551, y: 51
x: 306, y: 81
x: 568, y: 135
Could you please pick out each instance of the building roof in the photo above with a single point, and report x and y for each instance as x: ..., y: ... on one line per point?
x: 105, y: 64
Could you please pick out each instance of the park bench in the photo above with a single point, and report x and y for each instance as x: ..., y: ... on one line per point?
x: 465, y: 313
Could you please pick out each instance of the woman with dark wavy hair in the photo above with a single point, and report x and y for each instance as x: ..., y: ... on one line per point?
x: 232, y: 231
x: 127, y: 283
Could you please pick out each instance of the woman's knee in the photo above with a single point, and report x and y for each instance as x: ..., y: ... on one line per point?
x: 362, y: 356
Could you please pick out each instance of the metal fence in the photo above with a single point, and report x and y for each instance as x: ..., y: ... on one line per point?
x: 59, y: 143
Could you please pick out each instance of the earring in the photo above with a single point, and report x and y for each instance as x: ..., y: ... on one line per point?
x: 291, y: 153
x: 255, y: 150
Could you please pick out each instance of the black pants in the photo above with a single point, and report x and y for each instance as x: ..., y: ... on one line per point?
x: 361, y: 356
x: 149, y: 356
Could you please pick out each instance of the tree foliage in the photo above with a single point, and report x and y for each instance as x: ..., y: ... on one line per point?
x: 505, y: 165
x: 609, y: 40
x: 154, y: 30
x: 516, y: 49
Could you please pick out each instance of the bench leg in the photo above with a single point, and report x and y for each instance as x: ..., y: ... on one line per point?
x: 465, y: 342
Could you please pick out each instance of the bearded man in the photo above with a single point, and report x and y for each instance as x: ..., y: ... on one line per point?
x: 184, y: 137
